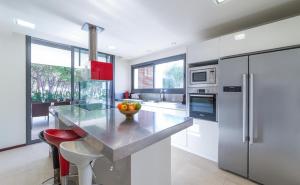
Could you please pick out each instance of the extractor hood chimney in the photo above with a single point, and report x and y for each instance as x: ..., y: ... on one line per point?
x: 98, y: 70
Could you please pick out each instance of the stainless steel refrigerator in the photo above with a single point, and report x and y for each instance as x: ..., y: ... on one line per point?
x: 259, y: 116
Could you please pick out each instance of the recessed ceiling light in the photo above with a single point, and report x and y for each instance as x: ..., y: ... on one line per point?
x: 112, y: 47
x: 173, y: 43
x: 219, y: 1
x: 240, y: 36
x: 26, y: 24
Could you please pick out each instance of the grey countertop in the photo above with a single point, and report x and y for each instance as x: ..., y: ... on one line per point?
x: 120, y: 137
x: 166, y: 105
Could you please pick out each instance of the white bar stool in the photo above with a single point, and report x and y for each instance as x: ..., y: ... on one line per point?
x: 81, y: 154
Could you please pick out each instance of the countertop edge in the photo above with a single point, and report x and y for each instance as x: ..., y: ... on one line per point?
x: 124, y: 151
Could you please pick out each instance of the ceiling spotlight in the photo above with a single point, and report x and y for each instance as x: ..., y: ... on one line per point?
x: 219, y: 1
x: 112, y: 47
x: 23, y: 23
x: 240, y: 36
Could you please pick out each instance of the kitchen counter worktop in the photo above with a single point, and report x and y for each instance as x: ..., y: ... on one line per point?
x: 120, y: 137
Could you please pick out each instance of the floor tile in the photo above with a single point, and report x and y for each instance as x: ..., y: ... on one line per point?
x: 31, y: 165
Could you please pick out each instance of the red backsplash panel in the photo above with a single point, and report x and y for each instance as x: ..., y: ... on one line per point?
x: 101, y: 70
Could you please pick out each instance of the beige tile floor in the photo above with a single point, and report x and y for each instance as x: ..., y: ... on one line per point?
x: 31, y: 165
x: 189, y: 169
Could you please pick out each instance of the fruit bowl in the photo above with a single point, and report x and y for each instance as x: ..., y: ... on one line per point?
x: 129, y: 114
x: 129, y: 108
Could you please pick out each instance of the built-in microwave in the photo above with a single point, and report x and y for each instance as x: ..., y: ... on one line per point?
x: 202, y: 75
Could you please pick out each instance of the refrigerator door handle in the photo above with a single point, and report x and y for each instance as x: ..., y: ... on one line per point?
x: 251, y: 121
x: 244, y: 90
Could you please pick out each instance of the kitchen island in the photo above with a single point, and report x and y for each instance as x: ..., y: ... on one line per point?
x: 137, y: 151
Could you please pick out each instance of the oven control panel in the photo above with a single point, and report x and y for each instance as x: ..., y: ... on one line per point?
x: 204, y: 90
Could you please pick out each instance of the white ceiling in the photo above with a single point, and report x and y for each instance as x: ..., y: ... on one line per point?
x: 140, y: 27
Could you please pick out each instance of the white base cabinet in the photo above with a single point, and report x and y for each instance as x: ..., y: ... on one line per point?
x: 200, y: 139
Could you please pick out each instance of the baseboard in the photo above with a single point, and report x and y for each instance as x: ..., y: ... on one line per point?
x: 12, y: 147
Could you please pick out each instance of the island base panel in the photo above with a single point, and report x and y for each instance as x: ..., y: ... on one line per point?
x: 149, y: 166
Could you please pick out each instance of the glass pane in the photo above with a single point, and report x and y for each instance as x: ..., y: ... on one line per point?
x: 41, y: 54
x: 170, y: 75
x: 143, y: 78
x: 199, y: 76
x: 85, y: 90
x: 205, y: 105
x: 50, y: 82
x: 50, y: 74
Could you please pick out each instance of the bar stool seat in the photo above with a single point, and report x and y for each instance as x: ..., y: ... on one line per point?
x: 81, y: 154
x: 57, y: 136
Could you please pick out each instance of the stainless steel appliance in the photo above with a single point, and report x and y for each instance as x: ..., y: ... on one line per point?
x: 259, y: 116
x: 203, y: 103
x: 204, y: 75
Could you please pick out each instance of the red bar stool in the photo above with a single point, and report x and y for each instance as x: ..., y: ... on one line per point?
x: 57, y: 136
x: 55, y: 160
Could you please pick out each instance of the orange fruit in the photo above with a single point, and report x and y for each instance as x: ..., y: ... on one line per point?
x: 131, y: 107
x: 124, y: 107
x: 119, y: 106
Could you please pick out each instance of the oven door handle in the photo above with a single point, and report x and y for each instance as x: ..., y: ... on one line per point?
x: 202, y: 95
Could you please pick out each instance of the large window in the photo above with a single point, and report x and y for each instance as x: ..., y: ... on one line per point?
x: 167, y: 73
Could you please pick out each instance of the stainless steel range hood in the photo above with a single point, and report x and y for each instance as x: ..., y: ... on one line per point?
x: 93, y: 36
x: 96, y: 70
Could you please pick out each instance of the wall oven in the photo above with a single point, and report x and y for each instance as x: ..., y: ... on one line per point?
x: 202, y: 75
x: 203, y: 106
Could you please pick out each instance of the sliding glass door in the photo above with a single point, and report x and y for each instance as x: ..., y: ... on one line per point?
x: 53, y: 78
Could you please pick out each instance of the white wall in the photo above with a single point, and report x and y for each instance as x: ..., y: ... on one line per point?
x: 122, y: 75
x: 13, y: 89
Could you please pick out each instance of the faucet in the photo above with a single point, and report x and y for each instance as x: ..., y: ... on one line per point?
x: 162, y: 94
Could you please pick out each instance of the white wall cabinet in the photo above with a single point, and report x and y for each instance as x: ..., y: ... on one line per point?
x: 274, y: 35
x: 269, y: 36
x: 204, y: 51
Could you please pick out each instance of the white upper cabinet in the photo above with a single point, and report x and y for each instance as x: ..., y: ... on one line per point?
x: 204, y: 51
x: 269, y: 36
x: 274, y: 35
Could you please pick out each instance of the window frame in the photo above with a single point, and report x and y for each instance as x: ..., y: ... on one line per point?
x: 153, y: 64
